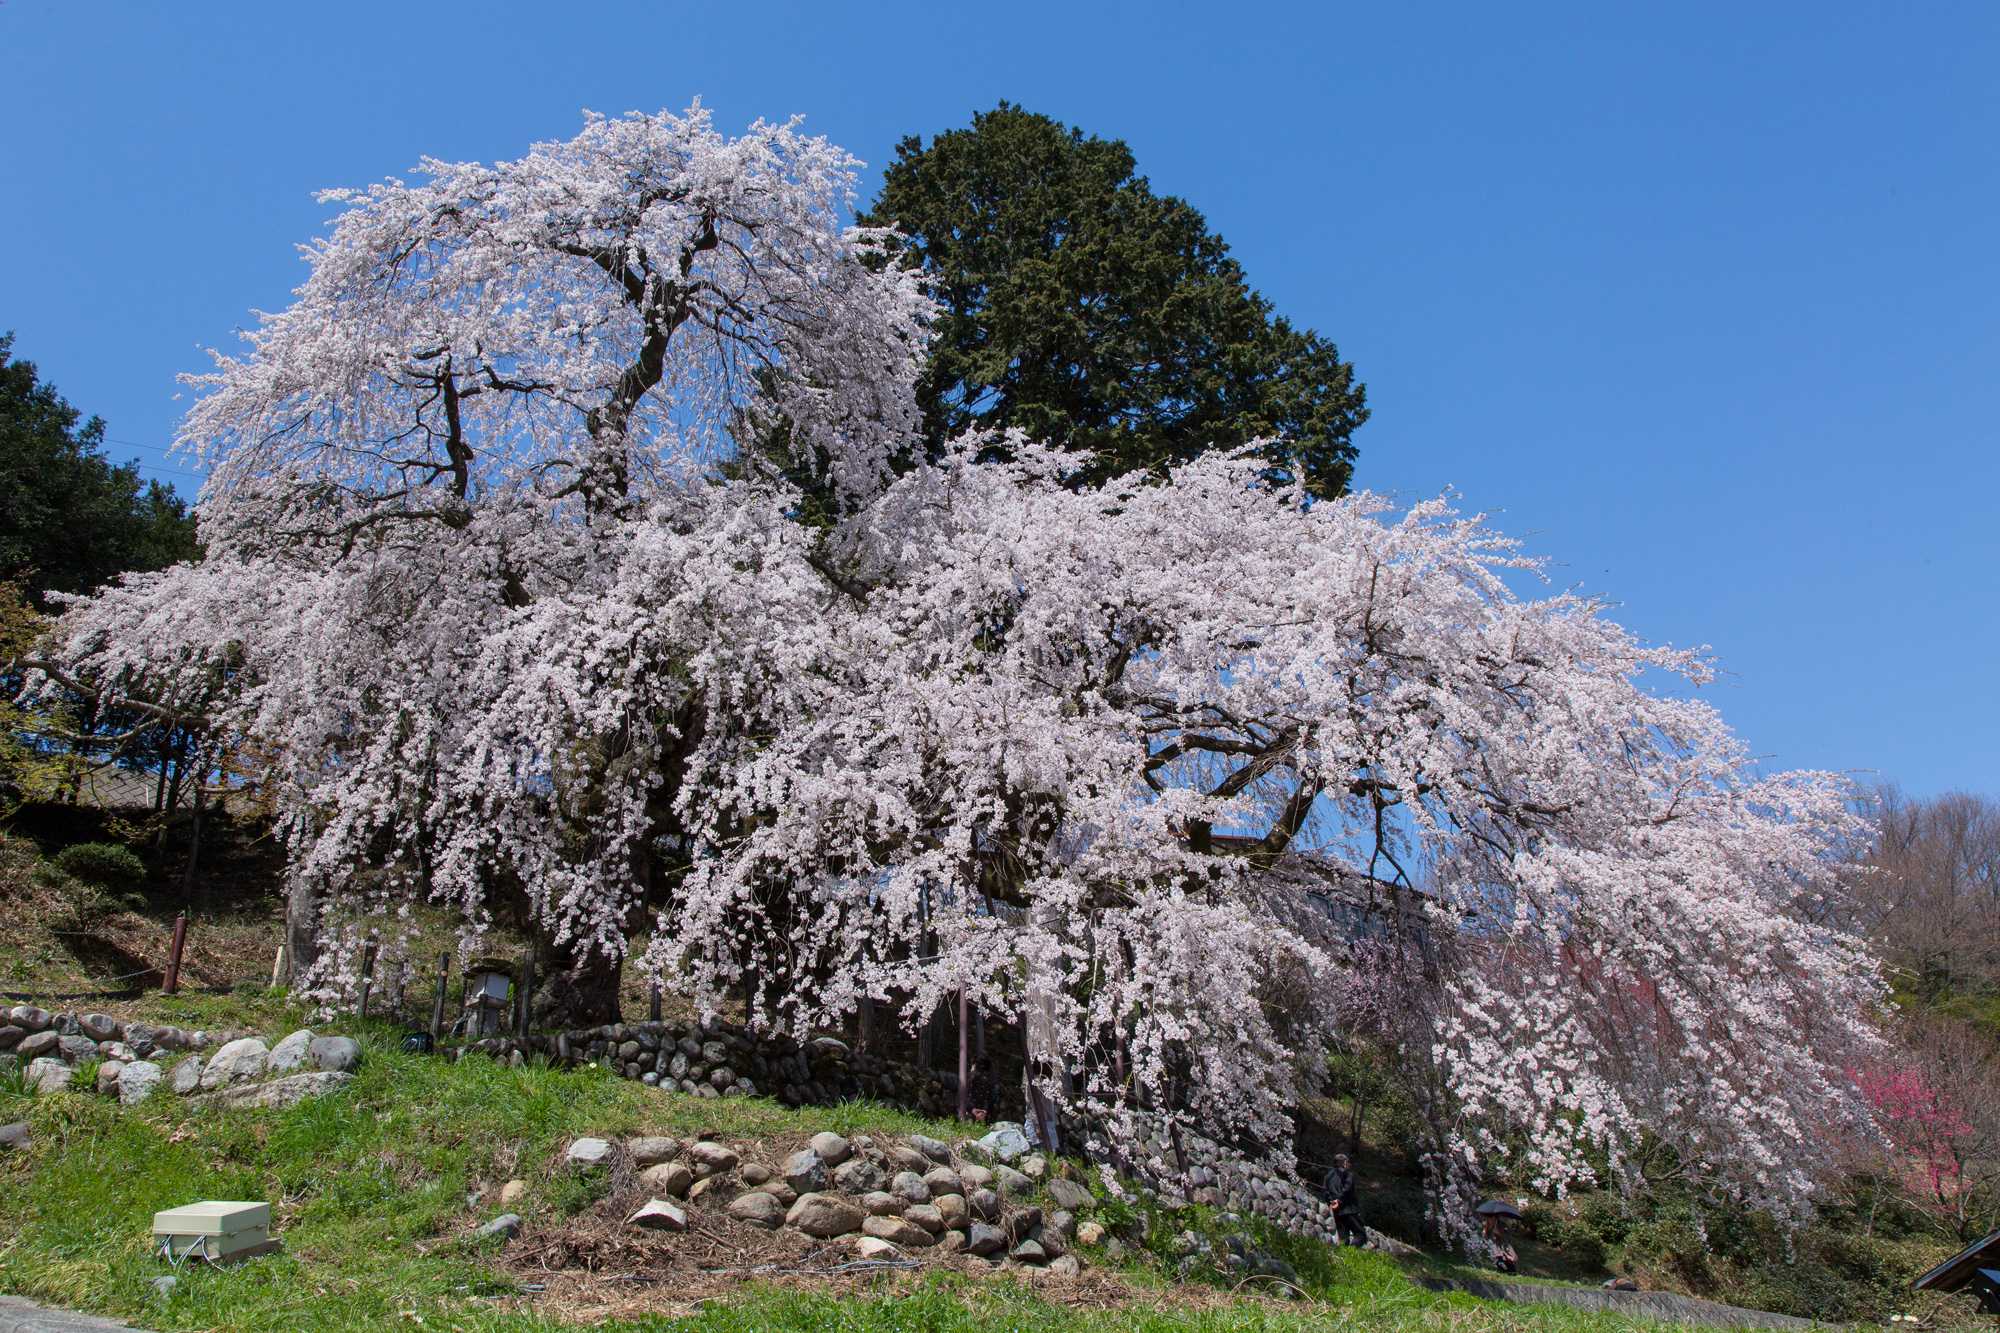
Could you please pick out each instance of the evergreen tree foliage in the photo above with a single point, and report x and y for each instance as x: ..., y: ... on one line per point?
x: 1094, y: 314
x: 70, y: 519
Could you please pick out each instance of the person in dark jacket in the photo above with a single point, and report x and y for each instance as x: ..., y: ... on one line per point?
x: 1339, y: 1189
x: 981, y: 1090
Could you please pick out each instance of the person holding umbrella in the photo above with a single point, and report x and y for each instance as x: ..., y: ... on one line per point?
x: 1497, y: 1216
x: 1339, y: 1190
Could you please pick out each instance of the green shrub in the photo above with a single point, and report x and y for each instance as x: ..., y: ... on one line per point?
x: 103, y: 864
x: 1604, y: 1213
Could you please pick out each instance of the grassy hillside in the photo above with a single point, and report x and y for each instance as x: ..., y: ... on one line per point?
x: 373, y: 1189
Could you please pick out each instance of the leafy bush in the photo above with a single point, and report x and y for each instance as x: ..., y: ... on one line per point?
x: 103, y: 864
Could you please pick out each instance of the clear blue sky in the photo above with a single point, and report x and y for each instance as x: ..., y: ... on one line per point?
x: 1701, y: 296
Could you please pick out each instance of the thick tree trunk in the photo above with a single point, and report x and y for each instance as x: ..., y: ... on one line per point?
x: 580, y: 990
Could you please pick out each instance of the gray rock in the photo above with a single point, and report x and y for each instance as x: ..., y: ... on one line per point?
x: 279, y: 1093
x: 67, y: 1025
x: 759, y: 1208
x: 117, y: 1050
x: 336, y: 1055
x: 1062, y: 1222
x: 756, y: 1173
x: 805, y: 1172
x: 107, y: 1077
x: 652, y: 1150
x: 141, y: 1036
x: 711, y: 1159
x: 290, y: 1053
x: 832, y: 1149
x: 926, y: 1215
x: 1005, y: 1143
x: 171, y: 1039
x: 10, y: 1036
x: 983, y: 1240
x: 1067, y: 1265
x: 942, y: 1180
x: 48, y: 1074
x: 954, y: 1210
x: 16, y: 1137
x: 951, y: 1242
x: 1068, y: 1194
x: 506, y: 1226
x: 99, y: 1027
x: 1013, y: 1182
x: 714, y: 1052
x: 235, y: 1061
x: 672, y: 1179
x: 858, y: 1175
x: 36, y: 1044
x: 186, y: 1076
x: 1035, y: 1166
x: 975, y: 1176
x: 910, y: 1187
x: 898, y: 1231
x: 824, y: 1215
x: 721, y: 1078
x: 1022, y: 1221
x: 138, y: 1080
x: 588, y: 1154
x: 880, y: 1203
x: 906, y: 1159
x: 659, y: 1215
x: 31, y: 1018
x: 985, y: 1205
x: 938, y: 1152
x: 75, y: 1046
x: 870, y: 1247
x: 1029, y: 1252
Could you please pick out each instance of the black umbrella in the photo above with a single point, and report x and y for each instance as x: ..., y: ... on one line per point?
x: 1495, y: 1208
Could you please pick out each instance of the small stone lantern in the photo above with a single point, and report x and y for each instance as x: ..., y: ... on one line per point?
x: 488, y: 981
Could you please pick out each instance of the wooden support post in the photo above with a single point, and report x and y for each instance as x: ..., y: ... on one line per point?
x: 437, y: 1004
x: 525, y: 1019
x: 964, y: 1056
x: 867, y: 1024
x: 173, y: 981
x: 367, y: 978
x: 653, y: 1005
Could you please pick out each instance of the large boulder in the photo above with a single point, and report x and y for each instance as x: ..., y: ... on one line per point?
x: 290, y: 1053
x: 235, y: 1062
x: 759, y: 1208
x: 805, y: 1172
x: 48, y: 1074
x: 186, y: 1077
x: 831, y: 1147
x: 1068, y: 1194
x: 926, y: 1215
x: 279, y: 1093
x: 823, y: 1215
x: 672, y: 1179
x: 99, y: 1027
x: 1005, y: 1143
x: 11, y: 1035
x: 336, y: 1055
x: 934, y: 1149
x: 983, y: 1240
x: 31, y: 1018
x: 16, y: 1137
x: 952, y: 1208
x: 712, y: 1159
x: 897, y: 1231
x: 659, y: 1215
x: 36, y: 1045
x: 117, y: 1050
x: 881, y: 1203
x: 75, y: 1046
x: 652, y: 1150
x: 943, y: 1180
x: 1013, y: 1182
x: 910, y: 1187
x: 985, y: 1205
x: 588, y: 1154
x: 906, y: 1159
x: 857, y: 1175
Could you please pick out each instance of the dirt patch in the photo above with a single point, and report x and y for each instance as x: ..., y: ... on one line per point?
x: 593, y: 1265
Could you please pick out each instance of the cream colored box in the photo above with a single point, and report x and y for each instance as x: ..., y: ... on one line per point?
x: 212, y: 1229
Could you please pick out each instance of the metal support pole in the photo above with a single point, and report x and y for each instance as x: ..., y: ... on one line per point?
x: 173, y: 981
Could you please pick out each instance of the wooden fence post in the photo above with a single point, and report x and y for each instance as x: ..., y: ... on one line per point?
x: 173, y: 982
x: 367, y: 978
x: 964, y: 1055
x: 653, y: 1008
x: 437, y: 1004
x: 525, y: 1018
